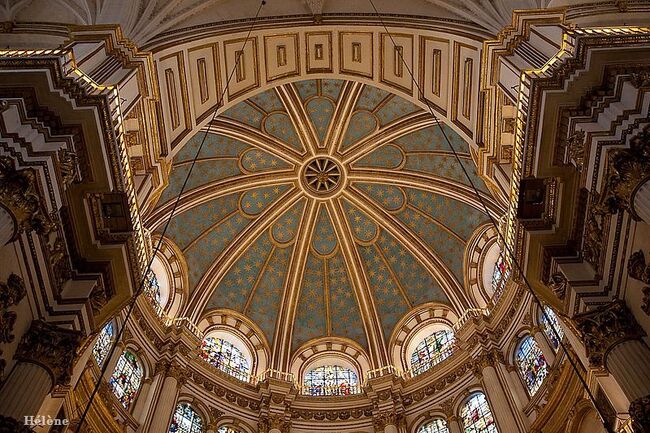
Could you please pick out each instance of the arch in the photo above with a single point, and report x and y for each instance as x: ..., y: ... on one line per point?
x: 414, y: 326
x: 531, y: 364
x: 434, y: 425
x: 328, y: 377
x: 476, y: 414
x: 105, y: 338
x: 481, y: 254
x: 550, y: 324
x: 228, y: 353
x: 126, y: 380
x: 171, y: 268
x: 328, y: 350
x: 234, y: 424
x: 437, y: 344
x: 249, y: 337
x: 186, y: 419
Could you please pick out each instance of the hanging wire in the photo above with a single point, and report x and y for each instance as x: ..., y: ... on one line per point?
x: 496, y: 227
x: 141, y: 287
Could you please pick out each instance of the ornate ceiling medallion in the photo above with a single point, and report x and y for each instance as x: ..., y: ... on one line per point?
x: 322, y: 176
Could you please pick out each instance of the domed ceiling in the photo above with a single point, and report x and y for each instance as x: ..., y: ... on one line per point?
x: 323, y: 208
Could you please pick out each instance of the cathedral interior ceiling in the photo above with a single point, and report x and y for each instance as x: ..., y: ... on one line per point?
x: 296, y: 200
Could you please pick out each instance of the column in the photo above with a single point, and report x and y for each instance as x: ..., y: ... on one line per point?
x: 24, y: 391
x: 497, y: 396
x: 613, y: 340
x: 642, y: 202
x: 454, y: 424
x: 542, y: 343
x: 7, y: 226
x: 167, y: 398
x: 45, y: 354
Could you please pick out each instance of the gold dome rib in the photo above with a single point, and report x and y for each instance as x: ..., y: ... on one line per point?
x: 221, y: 266
x: 256, y: 138
x: 299, y: 117
x: 210, y: 191
x: 359, y: 280
x: 342, y: 114
x: 386, y: 134
x: 287, y: 314
x: 427, y: 182
x: 428, y: 258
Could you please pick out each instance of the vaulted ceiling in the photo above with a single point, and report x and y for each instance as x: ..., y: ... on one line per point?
x: 142, y: 20
x: 323, y: 208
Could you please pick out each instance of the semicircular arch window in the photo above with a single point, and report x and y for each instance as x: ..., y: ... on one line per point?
x: 186, y: 420
x: 436, y: 425
x: 500, y: 276
x: 477, y: 416
x: 552, y: 327
x: 434, y: 349
x: 103, y: 343
x: 532, y: 364
x: 126, y: 379
x: 330, y: 380
x: 226, y: 357
x: 226, y: 429
x: 152, y: 287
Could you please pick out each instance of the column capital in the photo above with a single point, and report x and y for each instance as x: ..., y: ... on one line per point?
x: 389, y: 417
x: 51, y: 347
x: 640, y: 413
x: 604, y: 328
x: 273, y: 421
x: 19, y: 194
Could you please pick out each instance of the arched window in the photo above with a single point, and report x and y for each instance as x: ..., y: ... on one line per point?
x: 103, y: 344
x: 152, y: 287
x: 330, y: 380
x: 531, y: 363
x: 226, y: 357
x: 186, y: 420
x: 477, y: 416
x: 224, y: 429
x: 126, y: 379
x: 499, y: 276
x: 432, y: 350
x: 550, y: 322
x: 436, y: 425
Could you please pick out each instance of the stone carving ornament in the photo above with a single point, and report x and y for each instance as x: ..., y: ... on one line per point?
x: 11, y: 293
x: 51, y: 347
x: 604, y: 328
x: 638, y: 269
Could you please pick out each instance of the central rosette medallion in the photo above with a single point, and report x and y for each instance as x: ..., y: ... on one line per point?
x: 322, y: 176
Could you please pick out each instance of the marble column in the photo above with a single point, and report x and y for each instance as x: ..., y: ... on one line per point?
x: 45, y: 354
x: 24, y: 391
x: 642, y: 202
x: 497, y: 397
x: 7, y: 226
x: 453, y: 422
x: 167, y: 399
x: 613, y: 341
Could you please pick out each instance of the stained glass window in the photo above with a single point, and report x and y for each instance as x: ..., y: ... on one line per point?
x: 500, y: 276
x: 550, y: 322
x: 126, y: 378
x: 186, y: 420
x: 103, y: 344
x: 226, y: 357
x: 330, y: 380
x: 152, y: 287
x: 225, y: 429
x: 436, y: 425
x: 477, y: 416
x: 532, y: 364
x: 433, y: 349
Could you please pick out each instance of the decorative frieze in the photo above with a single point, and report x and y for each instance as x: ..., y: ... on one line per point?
x: 604, y: 328
x: 51, y: 347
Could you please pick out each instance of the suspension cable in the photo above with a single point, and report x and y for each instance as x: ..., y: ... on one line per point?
x: 140, y: 289
x: 496, y: 227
